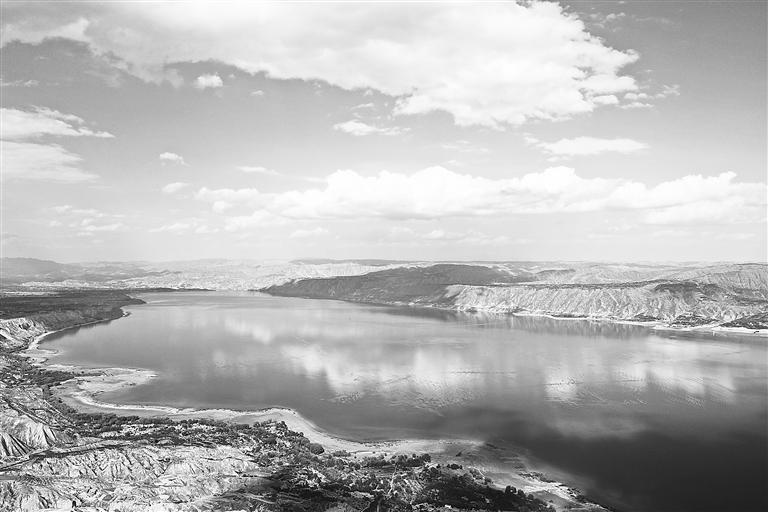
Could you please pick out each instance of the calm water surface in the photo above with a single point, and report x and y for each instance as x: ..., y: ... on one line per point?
x: 646, y: 422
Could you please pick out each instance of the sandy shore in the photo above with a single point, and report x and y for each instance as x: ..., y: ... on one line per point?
x: 84, y: 393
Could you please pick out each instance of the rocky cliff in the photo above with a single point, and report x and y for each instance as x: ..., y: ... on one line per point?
x: 666, y: 301
x: 24, y: 317
x: 19, y: 332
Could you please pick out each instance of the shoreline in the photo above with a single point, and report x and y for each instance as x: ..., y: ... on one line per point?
x: 654, y: 325
x: 83, y: 390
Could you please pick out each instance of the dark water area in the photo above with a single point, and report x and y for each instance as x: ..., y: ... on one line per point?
x: 638, y: 420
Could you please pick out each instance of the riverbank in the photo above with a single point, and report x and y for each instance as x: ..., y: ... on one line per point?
x: 77, y: 419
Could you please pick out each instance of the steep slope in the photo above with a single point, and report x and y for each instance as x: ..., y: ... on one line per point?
x: 23, y: 318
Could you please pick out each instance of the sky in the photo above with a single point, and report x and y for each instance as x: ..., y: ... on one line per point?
x: 601, y: 131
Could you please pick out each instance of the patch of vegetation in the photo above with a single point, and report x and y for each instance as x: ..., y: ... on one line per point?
x: 755, y: 322
x: 399, y: 285
x: 19, y: 371
x: 14, y: 306
x: 681, y: 288
x: 644, y: 318
x: 691, y: 321
x: 382, y: 485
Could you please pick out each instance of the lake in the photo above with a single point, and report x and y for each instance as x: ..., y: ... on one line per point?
x: 641, y: 421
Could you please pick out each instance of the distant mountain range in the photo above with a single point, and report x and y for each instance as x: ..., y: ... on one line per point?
x: 679, y: 295
x: 213, y: 274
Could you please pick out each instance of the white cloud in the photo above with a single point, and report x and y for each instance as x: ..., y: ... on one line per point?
x: 191, y: 225
x: 258, y: 218
x: 22, y: 125
x: 19, y: 83
x: 175, y: 227
x: 491, y: 64
x: 94, y: 228
x: 641, y: 99
x: 436, y: 193
x: 257, y: 169
x: 360, y: 129
x: 172, y: 188
x: 23, y: 159
x: 65, y: 27
x: 408, y: 236
x: 86, y: 222
x: 608, y: 99
x: 727, y: 210
x: 171, y: 158
x: 45, y: 162
x: 583, y: 146
x: 698, y: 233
x: 208, y: 82
x: 243, y: 195
x: 309, y: 233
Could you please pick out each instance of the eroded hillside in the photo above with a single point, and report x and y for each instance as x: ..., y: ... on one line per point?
x: 671, y: 294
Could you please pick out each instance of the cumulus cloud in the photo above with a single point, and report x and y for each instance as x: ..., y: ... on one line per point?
x: 171, y: 158
x: 360, y: 129
x: 208, y: 82
x: 174, y: 187
x: 258, y: 218
x: 584, y: 146
x: 436, y: 193
x: 224, y: 199
x: 491, y: 64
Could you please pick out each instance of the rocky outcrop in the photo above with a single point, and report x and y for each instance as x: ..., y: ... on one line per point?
x: 19, y: 332
x: 130, y: 478
x: 661, y: 301
x: 21, y: 433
